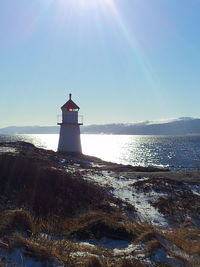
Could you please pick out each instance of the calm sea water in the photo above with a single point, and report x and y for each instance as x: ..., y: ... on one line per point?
x: 174, y: 152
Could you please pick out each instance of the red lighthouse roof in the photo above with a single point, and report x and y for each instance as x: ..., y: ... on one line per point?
x: 70, y: 105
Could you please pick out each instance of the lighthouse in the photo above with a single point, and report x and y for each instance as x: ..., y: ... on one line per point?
x: 69, y: 140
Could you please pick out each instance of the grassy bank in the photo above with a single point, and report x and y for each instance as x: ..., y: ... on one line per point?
x: 50, y: 213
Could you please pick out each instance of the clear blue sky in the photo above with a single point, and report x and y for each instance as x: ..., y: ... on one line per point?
x: 122, y: 60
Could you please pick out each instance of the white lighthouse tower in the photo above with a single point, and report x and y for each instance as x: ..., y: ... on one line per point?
x: 69, y: 140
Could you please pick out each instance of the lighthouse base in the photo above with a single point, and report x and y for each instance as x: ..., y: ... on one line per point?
x: 69, y: 140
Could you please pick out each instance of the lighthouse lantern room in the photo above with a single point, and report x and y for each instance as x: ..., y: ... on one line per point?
x: 69, y: 140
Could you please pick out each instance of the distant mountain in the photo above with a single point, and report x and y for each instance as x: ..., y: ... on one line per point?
x: 181, y: 126
x: 30, y: 130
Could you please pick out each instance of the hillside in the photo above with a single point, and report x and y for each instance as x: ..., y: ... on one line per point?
x: 75, y: 210
x: 181, y: 126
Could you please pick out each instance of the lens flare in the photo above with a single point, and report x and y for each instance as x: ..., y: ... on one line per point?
x: 112, y: 10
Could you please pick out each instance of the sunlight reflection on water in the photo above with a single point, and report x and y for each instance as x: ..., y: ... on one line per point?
x: 175, y: 152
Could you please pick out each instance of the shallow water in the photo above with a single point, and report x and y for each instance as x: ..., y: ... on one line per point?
x: 174, y: 152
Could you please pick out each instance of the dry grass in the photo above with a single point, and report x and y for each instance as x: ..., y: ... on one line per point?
x: 97, y: 224
x: 14, y: 223
x: 13, y: 220
x: 63, y: 251
x: 37, y: 196
x: 177, y: 203
x: 35, y: 185
x: 187, y: 239
x: 74, y: 254
x: 181, y: 243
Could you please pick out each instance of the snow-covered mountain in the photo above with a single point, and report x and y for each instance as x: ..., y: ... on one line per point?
x: 181, y: 126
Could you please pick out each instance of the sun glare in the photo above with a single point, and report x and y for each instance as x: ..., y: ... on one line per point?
x: 89, y: 2
x: 110, y: 8
x: 85, y: 3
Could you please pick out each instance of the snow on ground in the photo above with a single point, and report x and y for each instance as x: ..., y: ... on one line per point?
x: 50, y: 237
x: 82, y: 254
x: 107, y: 243
x: 130, y: 249
x: 162, y: 255
x: 133, y: 251
x: 7, y: 149
x: 123, y: 188
x: 17, y: 257
x: 195, y: 189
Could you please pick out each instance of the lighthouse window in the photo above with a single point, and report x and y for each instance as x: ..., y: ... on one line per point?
x: 72, y: 109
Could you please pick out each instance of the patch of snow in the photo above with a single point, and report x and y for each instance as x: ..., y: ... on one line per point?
x: 50, y: 237
x: 146, y: 211
x: 130, y: 249
x: 175, y: 249
x: 161, y: 255
x: 76, y: 164
x: 113, y: 205
x: 106, y: 178
x: 97, y: 165
x: 85, y: 243
x: 142, y: 179
x: 87, y: 163
x: 16, y: 257
x: 7, y: 149
x: 64, y: 162
x: 133, y: 252
x: 123, y: 188
x: 195, y: 189
x: 82, y: 254
x: 108, y: 243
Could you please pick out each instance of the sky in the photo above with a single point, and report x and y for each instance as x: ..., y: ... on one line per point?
x: 122, y: 60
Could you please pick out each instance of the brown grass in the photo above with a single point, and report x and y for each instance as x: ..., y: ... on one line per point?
x: 128, y: 263
x: 97, y: 224
x: 186, y: 239
x: 94, y: 262
x: 37, y: 196
x: 13, y: 220
x: 65, y: 250
x: 35, y: 185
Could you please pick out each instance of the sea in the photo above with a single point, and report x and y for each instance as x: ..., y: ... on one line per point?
x: 172, y: 152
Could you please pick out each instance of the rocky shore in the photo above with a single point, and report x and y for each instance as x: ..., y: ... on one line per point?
x: 77, y: 210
